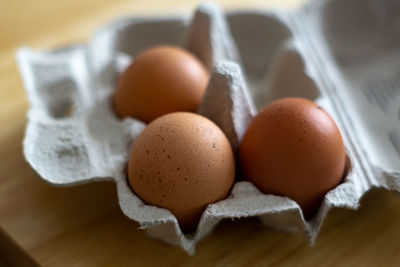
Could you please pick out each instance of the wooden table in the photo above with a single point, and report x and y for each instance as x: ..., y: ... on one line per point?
x: 83, y: 225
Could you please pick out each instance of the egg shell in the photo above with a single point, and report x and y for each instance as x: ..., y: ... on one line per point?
x: 293, y: 148
x: 182, y: 162
x: 160, y: 80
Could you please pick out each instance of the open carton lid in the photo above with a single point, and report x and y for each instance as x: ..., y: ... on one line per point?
x: 355, y: 49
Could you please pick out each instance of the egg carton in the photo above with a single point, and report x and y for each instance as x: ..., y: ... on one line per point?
x: 344, y: 56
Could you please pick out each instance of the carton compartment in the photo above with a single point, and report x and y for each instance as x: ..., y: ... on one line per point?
x: 257, y: 36
x: 274, y: 66
x: 58, y: 92
x: 133, y: 36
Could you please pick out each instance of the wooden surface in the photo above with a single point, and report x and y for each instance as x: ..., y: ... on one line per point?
x: 83, y: 225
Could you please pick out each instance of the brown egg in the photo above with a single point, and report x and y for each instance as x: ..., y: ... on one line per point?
x: 293, y: 148
x: 160, y: 80
x: 182, y: 162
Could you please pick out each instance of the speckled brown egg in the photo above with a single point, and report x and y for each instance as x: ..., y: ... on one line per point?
x: 293, y: 148
x: 182, y: 162
x: 160, y: 80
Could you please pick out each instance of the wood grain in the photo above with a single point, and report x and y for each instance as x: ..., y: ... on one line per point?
x: 83, y: 225
x: 12, y: 255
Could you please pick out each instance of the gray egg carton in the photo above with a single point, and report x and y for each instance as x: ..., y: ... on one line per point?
x: 345, y: 56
